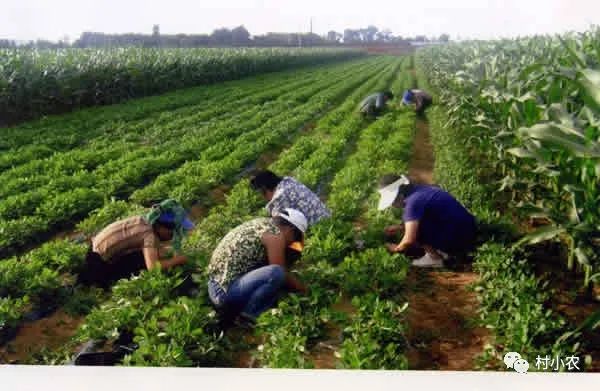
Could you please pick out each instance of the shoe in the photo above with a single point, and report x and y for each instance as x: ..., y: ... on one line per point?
x: 428, y: 261
x: 443, y: 254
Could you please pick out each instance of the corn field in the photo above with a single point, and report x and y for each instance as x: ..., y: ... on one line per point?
x: 37, y: 82
x: 532, y: 109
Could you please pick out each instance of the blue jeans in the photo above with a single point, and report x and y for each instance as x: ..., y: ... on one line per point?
x: 252, y: 293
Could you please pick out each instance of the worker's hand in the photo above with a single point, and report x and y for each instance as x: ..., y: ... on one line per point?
x: 392, y: 247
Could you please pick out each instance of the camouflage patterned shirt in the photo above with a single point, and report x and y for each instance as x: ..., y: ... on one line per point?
x: 240, y: 251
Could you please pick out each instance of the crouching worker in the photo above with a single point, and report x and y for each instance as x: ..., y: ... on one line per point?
x: 133, y: 244
x: 287, y: 192
x: 433, y: 220
x: 374, y: 104
x: 421, y: 99
x: 249, y: 268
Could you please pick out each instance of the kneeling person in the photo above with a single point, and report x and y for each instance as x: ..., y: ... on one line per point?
x: 133, y: 244
x: 432, y: 219
x: 249, y: 268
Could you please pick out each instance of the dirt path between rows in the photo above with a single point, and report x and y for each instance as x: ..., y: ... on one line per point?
x: 50, y: 333
x: 441, y: 310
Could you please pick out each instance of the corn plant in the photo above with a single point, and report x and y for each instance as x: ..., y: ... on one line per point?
x: 35, y: 82
x: 531, y: 107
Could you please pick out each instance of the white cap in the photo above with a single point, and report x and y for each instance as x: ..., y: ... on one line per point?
x: 295, y: 217
x: 390, y: 192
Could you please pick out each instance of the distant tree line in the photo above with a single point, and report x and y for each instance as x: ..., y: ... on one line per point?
x: 238, y: 36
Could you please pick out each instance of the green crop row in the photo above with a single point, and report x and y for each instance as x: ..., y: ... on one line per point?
x: 242, y: 202
x: 163, y: 352
x: 331, y: 243
x: 135, y: 359
x: 77, y: 195
x: 150, y: 118
x: 207, y: 108
x: 188, y: 181
x: 36, y: 287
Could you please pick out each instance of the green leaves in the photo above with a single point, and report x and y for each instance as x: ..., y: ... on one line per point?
x: 589, y: 80
x: 541, y: 235
x: 570, y: 138
x: 375, y: 338
x: 513, y: 304
x: 528, y: 109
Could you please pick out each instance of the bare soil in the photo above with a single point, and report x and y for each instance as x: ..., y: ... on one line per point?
x: 442, y: 310
x: 422, y: 161
x: 50, y: 332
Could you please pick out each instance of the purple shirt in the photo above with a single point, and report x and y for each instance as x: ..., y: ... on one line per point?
x: 443, y: 222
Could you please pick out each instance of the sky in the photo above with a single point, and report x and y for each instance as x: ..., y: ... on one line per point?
x: 484, y: 19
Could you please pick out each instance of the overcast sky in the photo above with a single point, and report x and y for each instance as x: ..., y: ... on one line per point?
x: 53, y: 19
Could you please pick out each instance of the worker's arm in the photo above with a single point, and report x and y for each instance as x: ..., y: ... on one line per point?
x: 411, y: 228
x: 153, y: 261
x: 275, y: 248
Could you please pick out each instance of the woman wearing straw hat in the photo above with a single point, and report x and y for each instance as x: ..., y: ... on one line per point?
x: 433, y: 219
x: 249, y: 267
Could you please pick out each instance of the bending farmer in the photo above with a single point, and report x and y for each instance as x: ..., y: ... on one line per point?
x: 132, y: 244
x: 421, y: 99
x: 249, y: 268
x: 286, y: 192
x: 432, y: 219
x: 374, y: 104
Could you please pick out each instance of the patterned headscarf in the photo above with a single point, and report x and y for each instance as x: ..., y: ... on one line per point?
x: 172, y: 212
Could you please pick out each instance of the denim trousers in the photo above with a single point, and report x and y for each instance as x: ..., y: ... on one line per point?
x: 250, y: 294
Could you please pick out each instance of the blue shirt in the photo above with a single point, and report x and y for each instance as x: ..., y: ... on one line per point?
x: 443, y: 222
x: 290, y: 193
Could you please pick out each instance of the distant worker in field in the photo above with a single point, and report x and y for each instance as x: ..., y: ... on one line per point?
x: 432, y: 218
x: 133, y: 244
x: 421, y: 99
x: 287, y: 192
x: 249, y: 267
x: 374, y: 104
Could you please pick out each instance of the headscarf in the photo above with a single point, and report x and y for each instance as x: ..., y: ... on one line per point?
x: 171, y: 211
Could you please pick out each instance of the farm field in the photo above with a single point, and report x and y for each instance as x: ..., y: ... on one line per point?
x: 290, y: 122
x: 513, y: 134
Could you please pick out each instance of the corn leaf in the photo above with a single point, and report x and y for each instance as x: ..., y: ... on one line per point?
x: 540, y: 235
